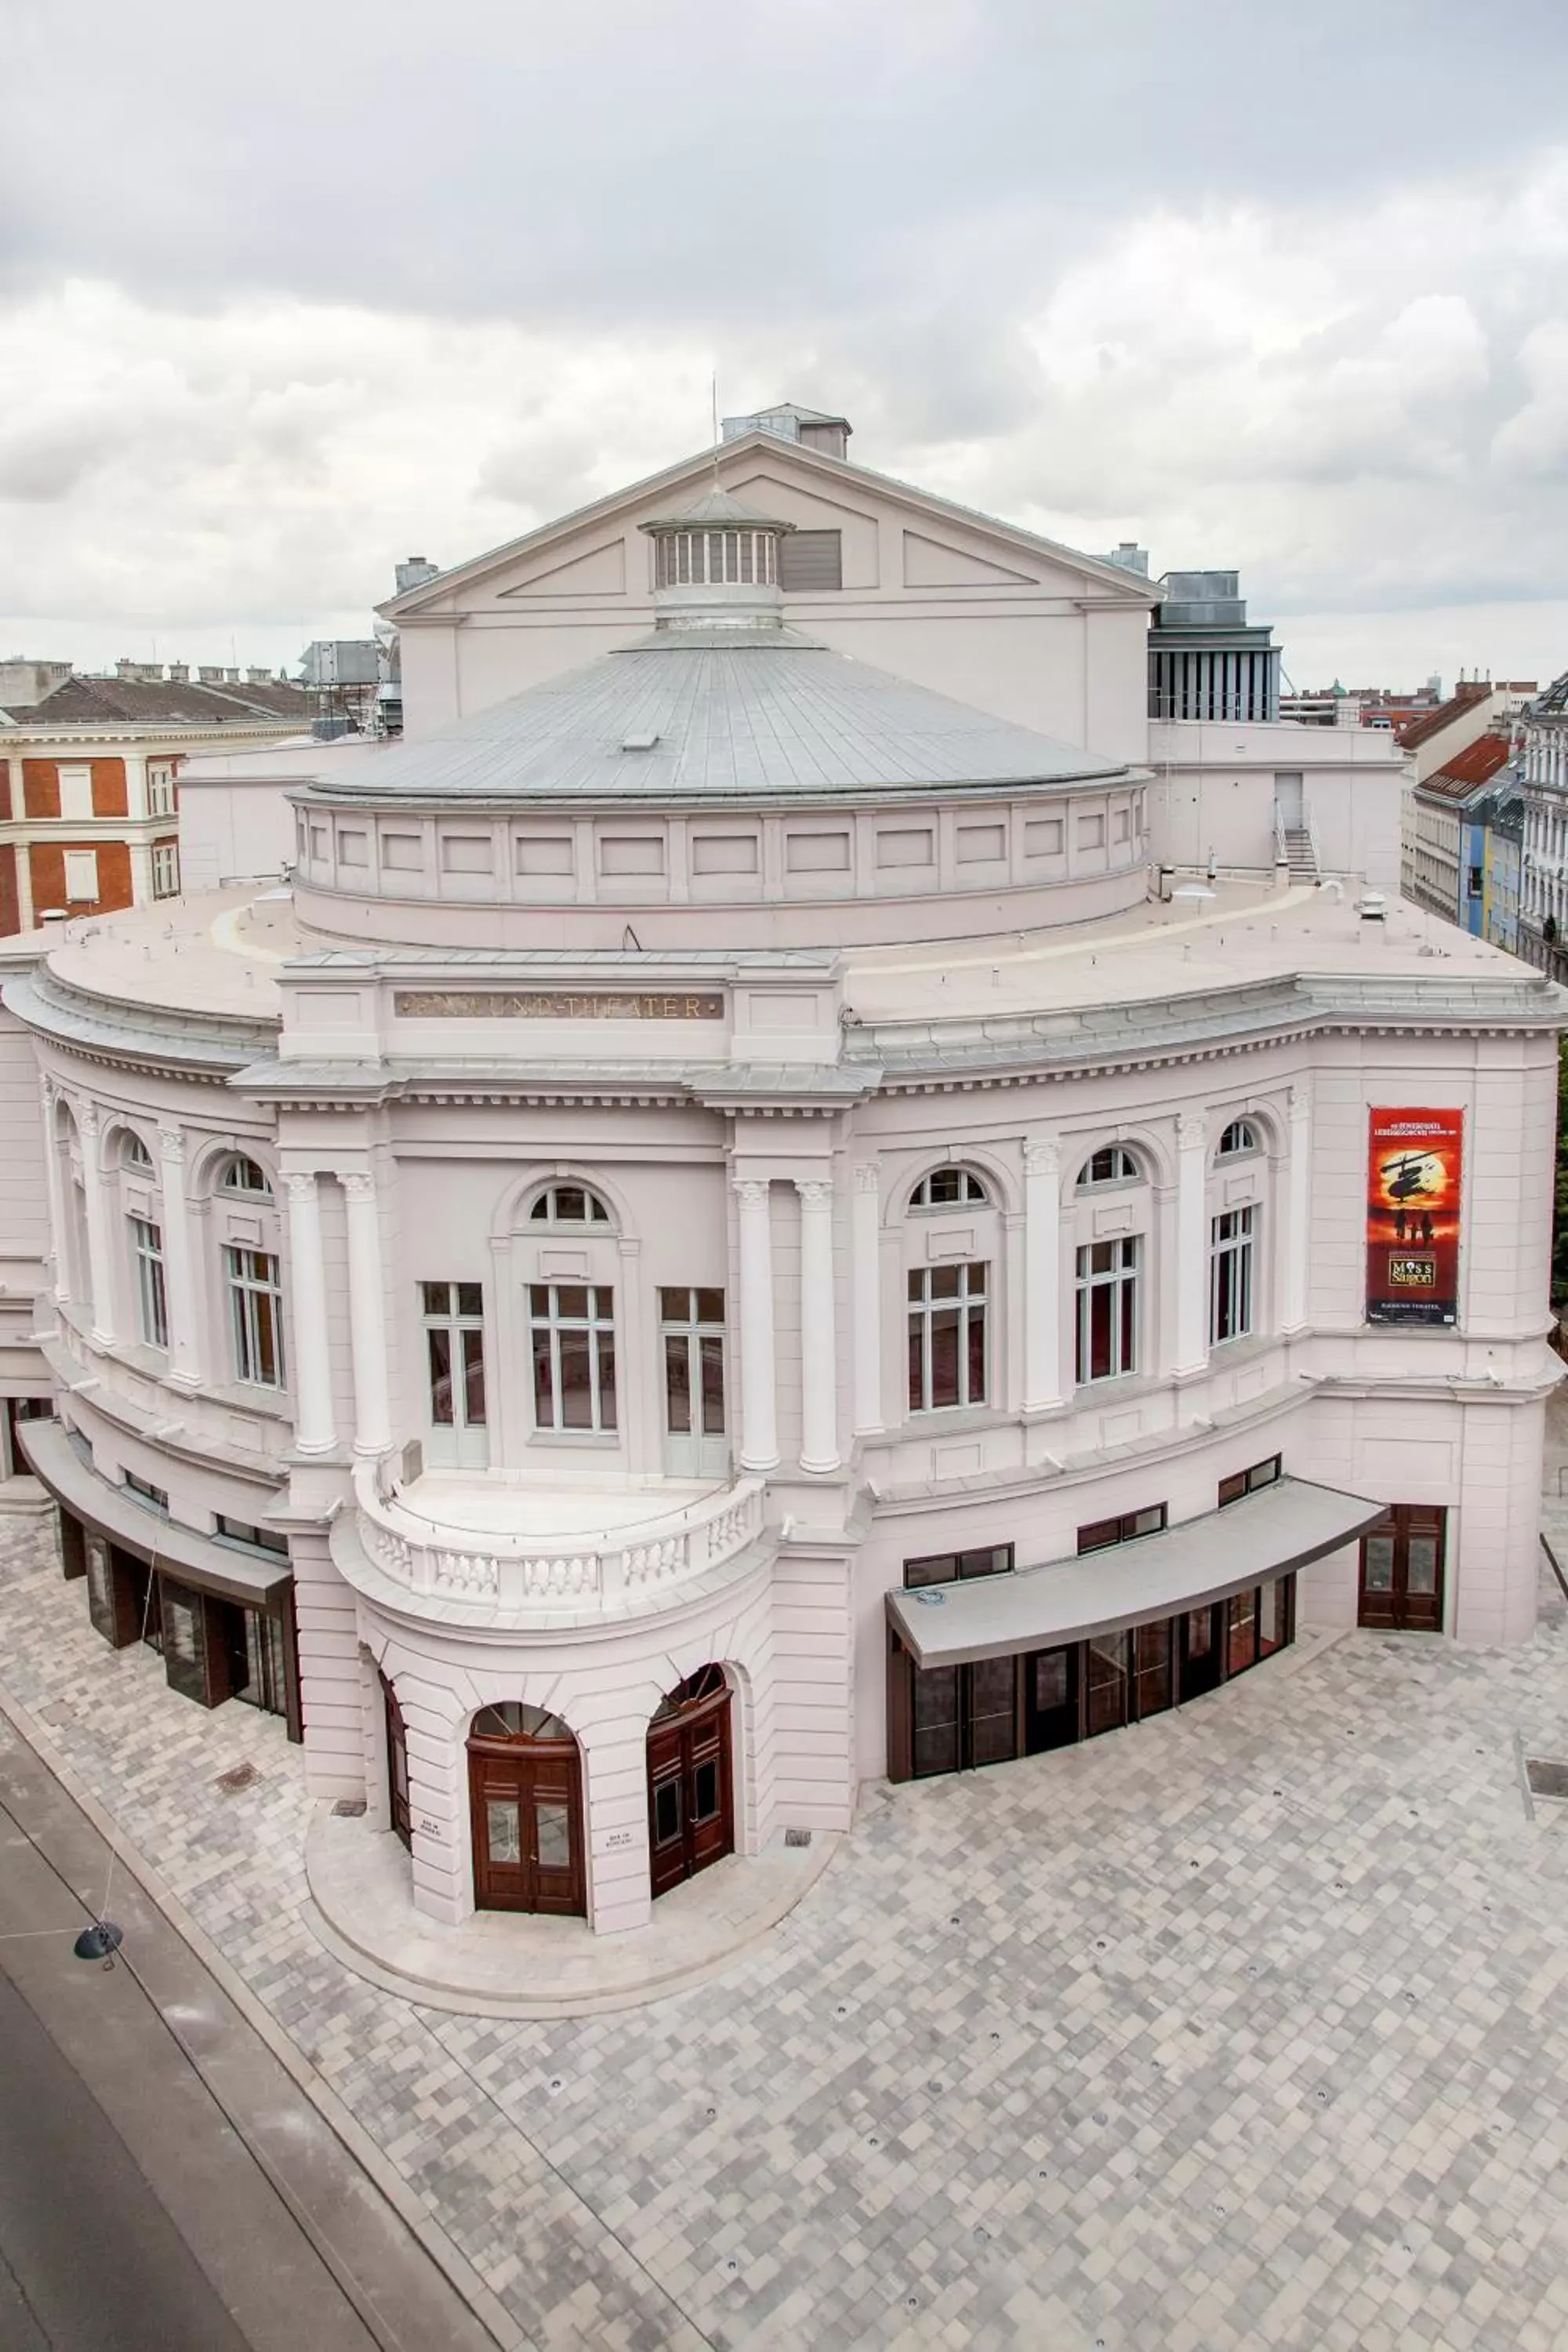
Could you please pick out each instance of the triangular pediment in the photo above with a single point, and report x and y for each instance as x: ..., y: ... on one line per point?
x: 935, y: 563
x: 597, y: 572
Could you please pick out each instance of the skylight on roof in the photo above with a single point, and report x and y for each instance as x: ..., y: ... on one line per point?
x: 643, y: 741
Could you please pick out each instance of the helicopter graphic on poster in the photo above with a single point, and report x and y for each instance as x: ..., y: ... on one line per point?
x: 1413, y: 1163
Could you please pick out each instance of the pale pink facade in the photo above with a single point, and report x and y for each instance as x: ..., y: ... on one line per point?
x: 604, y: 1101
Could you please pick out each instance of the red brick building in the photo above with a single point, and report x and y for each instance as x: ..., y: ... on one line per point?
x: 89, y: 789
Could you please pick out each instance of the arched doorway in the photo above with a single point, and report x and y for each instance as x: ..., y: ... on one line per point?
x: 397, y: 1764
x: 525, y: 1797
x: 690, y: 1780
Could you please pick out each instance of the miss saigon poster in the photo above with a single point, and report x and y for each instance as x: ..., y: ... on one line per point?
x: 1413, y: 1215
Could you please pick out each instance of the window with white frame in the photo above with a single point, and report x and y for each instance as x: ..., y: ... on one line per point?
x: 453, y: 1315
x: 569, y: 1204
x: 1231, y: 1241
x: 147, y: 1263
x: 572, y: 1326
x: 1238, y: 1138
x: 133, y: 1152
x: 76, y: 790
x: 949, y: 1187
x: 691, y: 1326
x: 165, y: 869
x: 255, y: 1315
x: 1111, y: 1164
x: 160, y: 787
x: 1107, y: 1309
x: 81, y: 877
x: 947, y: 1337
x: 243, y: 1175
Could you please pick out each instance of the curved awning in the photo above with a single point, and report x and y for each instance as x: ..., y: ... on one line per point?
x: 165, y: 1544
x: 1251, y: 1541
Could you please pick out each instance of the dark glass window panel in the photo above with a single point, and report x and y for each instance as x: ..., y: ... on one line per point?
x: 705, y: 1790
x: 576, y: 1385
x: 572, y: 1300
x: 1151, y: 1651
x: 607, y: 1380
x: 1377, y: 1563
x: 1099, y: 1331
x: 474, y: 1379
x: 917, y: 1369
x: 1421, y: 1565
x: 1128, y: 1298
x: 917, y: 1285
x: 552, y: 1831
x: 991, y: 1559
x: 976, y: 1356
x: 712, y: 1387
x: 935, y: 1714
x: 571, y: 1204
x: 665, y: 1811
x: 945, y: 1334
x: 438, y: 1297
x: 540, y: 1209
x: 267, y: 1339
x: 1232, y: 1489
x: 1200, y: 1633
x: 678, y: 1384
x: 710, y: 1307
x: 1263, y: 1474
x: 1147, y: 1522
x: 993, y: 1712
x: 604, y: 1304
x: 503, y: 1831
x: 1270, y: 1619
x: 470, y: 1298
x: 1106, y: 1663
x: 674, y: 1306
x: 1241, y: 1632
x: 511, y: 1719
x: 539, y: 1297
x: 937, y: 1568
x: 440, y: 1348
x: 946, y: 1281
x: 1053, y: 1681
x: 1099, y: 1535
x: 543, y: 1381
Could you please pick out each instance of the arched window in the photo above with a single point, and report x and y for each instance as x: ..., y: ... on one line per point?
x: 133, y: 1152
x: 1111, y: 1164
x: 707, y: 1683
x: 509, y: 1719
x: 243, y: 1175
x: 569, y: 1204
x: 949, y: 1187
x: 1239, y: 1136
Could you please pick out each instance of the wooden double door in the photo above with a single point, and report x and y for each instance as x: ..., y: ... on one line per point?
x: 691, y: 1781
x: 1401, y: 1562
x: 526, y: 1804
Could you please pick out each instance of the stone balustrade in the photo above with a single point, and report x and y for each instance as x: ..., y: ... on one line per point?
x: 517, y: 1574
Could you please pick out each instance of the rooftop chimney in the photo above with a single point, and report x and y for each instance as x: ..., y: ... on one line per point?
x: 259, y: 678
x: 179, y: 673
x: 413, y: 572
x: 808, y: 426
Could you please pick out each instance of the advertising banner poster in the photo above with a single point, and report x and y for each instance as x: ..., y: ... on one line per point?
x: 1413, y: 1215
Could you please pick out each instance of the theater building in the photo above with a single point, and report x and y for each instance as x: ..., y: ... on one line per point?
x: 723, y: 1238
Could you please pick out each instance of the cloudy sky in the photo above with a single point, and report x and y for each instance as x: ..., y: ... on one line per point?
x: 288, y: 294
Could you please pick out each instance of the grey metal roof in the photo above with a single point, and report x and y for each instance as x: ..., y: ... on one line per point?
x: 1281, y: 1528
x: 775, y: 720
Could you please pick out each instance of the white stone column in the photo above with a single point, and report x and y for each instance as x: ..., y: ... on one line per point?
x: 1298, y: 1213
x: 818, y: 1336
x: 1192, y: 1246
x: 1042, y: 1276
x: 184, y: 1349
x: 314, y: 1431
x: 866, y: 1270
x: 54, y: 1193
x: 99, y: 1258
x: 759, y: 1412
x: 367, y: 1318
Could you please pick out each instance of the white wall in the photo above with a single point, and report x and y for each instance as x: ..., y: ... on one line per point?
x: 1215, y: 794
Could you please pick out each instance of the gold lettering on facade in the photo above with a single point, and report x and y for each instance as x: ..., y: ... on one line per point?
x: 555, y: 1005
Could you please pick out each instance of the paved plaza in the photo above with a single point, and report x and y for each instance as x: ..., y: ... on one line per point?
x: 1246, y: 2027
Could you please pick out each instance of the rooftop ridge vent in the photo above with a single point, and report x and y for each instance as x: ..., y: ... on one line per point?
x: 643, y: 741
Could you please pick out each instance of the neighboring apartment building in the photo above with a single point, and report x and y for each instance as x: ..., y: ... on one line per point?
x: 621, y: 1301
x: 1430, y: 745
x: 88, y: 766
x: 1449, y: 817
x: 1543, y: 880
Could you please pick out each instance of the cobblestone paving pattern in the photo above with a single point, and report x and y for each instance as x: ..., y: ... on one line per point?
x: 1248, y: 2027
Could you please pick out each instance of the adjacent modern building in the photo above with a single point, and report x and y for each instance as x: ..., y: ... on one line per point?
x: 1204, y: 661
x: 88, y: 768
x: 723, y: 1236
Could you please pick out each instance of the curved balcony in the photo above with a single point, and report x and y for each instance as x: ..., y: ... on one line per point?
x: 445, y: 1540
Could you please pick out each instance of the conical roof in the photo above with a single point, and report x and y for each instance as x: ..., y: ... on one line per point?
x: 717, y: 510
x: 772, y: 718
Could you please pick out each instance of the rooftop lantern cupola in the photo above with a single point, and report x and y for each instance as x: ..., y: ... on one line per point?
x: 716, y: 566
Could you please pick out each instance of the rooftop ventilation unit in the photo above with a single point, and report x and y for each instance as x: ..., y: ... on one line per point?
x: 643, y: 741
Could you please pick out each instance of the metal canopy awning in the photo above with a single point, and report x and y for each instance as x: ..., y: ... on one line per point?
x: 163, y: 1543
x: 1263, y: 1536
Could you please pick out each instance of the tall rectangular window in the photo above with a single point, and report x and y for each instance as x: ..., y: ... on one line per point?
x: 692, y: 1328
x: 256, y: 1316
x: 152, y: 1301
x: 1107, y: 1310
x: 165, y: 869
x: 572, y: 1328
x: 81, y: 877
x: 1230, y: 1274
x: 76, y: 790
x: 160, y: 787
x: 947, y: 1337
x: 455, y: 1352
